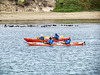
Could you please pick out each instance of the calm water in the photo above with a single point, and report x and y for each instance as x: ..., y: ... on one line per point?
x: 17, y: 58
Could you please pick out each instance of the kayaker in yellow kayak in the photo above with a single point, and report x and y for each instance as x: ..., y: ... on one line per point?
x: 67, y: 41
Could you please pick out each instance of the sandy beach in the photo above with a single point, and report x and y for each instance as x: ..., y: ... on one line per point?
x: 34, y: 16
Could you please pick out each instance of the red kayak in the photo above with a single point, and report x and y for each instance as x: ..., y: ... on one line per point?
x: 55, y: 44
x: 38, y: 40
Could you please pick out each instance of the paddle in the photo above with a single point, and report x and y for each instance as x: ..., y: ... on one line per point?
x: 49, y: 37
x: 61, y: 36
x: 35, y: 37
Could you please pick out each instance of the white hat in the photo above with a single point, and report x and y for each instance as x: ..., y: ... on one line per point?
x: 42, y: 35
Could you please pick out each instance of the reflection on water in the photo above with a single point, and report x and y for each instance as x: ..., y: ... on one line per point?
x: 17, y: 58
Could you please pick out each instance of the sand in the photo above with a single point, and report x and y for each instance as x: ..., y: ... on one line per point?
x: 18, y: 16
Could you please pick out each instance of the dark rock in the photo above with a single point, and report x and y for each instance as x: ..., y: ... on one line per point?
x: 22, y: 26
x: 11, y: 25
x: 42, y: 26
x: 5, y: 25
x: 54, y: 25
x: 70, y: 25
x: 16, y: 26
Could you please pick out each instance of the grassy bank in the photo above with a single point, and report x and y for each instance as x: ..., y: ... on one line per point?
x: 77, y: 5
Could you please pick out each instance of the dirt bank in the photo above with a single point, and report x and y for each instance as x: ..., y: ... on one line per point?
x: 4, y: 16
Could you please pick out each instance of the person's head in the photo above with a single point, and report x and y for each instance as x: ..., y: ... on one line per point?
x: 50, y: 38
x: 68, y: 37
x: 55, y: 33
x: 42, y: 35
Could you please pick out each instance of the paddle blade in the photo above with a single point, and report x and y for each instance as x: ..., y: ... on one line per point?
x: 48, y: 37
x: 61, y: 36
x: 35, y: 37
x: 44, y: 36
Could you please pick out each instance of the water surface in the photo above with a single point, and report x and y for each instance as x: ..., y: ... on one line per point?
x: 17, y: 58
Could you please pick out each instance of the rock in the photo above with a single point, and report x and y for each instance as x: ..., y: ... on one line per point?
x: 5, y: 25
x: 29, y: 5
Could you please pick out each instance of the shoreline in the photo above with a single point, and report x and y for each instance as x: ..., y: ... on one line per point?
x: 50, y: 21
x: 50, y: 17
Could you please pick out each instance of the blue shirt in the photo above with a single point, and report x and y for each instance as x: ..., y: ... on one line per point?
x: 49, y: 41
x: 56, y: 37
x: 67, y: 41
x: 42, y: 38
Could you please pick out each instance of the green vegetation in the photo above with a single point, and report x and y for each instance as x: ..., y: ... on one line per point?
x: 77, y: 5
x: 22, y: 2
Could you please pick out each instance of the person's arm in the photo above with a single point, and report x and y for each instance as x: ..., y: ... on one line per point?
x: 39, y: 37
x: 54, y: 37
x: 47, y: 41
x: 57, y: 37
x: 42, y: 38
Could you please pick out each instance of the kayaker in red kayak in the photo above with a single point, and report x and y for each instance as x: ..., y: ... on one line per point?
x: 42, y: 37
x: 56, y: 36
x: 67, y: 41
x: 50, y: 41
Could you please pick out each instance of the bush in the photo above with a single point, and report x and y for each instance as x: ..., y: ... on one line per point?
x: 76, y: 5
x: 63, y: 10
x: 68, y: 6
